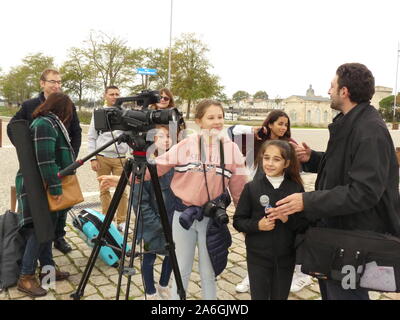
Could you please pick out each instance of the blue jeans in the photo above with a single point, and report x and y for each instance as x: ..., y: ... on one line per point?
x: 332, y: 290
x: 148, y: 272
x: 34, y: 251
x: 185, y: 245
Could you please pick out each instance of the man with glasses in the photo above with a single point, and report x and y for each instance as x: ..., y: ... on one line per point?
x: 50, y: 82
x: 109, y: 161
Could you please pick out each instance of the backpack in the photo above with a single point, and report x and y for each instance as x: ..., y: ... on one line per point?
x: 12, y: 246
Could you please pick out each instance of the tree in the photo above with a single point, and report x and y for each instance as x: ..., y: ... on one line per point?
x: 22, y: 82
x: 153, y: 59
x: 35, y: 65
x: 79, y: 75
x: 261, y: 95
x: 240, y: 95
x: 386, y: 108
x: 191, y: 79
x: 113, y: 61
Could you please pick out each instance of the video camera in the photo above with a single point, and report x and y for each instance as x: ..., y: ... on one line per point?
x: 118, y: 118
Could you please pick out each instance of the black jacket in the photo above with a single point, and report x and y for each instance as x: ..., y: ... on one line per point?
x: 358, y: 175
x: 27, y: 108
x: 278, y: 242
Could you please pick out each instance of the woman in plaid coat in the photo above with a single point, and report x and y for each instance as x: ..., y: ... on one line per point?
x: 53, y: 153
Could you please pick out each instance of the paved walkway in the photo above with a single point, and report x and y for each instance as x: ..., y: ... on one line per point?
x: 103, y: 280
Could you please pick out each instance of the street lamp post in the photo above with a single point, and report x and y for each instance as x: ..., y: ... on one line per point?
x: 170, y: 48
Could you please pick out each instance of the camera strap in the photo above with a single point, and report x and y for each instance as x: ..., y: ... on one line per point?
x: 203, y: 160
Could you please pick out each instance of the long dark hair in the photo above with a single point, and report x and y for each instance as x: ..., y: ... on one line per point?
x: 270, y: 119
x: 59, y: 104
x: 288, y: 153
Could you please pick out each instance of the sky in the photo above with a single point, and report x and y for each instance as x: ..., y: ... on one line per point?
x: 280, y: 47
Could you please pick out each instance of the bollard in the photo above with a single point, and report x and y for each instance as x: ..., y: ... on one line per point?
x: 13, y: 198
x: 1, y: 133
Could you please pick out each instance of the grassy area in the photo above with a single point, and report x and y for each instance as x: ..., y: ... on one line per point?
x: 84, y: 116
x: 258, y: 123
x: 7, y: 112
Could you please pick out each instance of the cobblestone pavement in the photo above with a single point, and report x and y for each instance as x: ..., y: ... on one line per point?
x: 103, y: 280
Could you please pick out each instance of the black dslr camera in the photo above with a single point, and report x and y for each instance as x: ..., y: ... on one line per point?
x: 216, y: 209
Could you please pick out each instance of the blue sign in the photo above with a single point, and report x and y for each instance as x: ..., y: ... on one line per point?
x: 147, y: 71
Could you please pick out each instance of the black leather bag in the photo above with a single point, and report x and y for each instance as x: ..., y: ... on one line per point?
x: 12, y: 246
x: 333, y: 254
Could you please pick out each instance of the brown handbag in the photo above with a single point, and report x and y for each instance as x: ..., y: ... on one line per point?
x: 71, y: 194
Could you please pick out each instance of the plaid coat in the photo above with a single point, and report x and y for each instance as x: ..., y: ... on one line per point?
x: 53, y: 153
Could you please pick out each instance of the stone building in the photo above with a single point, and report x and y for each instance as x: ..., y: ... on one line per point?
x: 308, y: 110
x: 380, y: 93
x: 312, y: 110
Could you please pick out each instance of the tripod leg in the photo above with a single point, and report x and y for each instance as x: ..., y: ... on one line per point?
x: 141, y: 172
x: 170, y: 246
x: 104, y: 227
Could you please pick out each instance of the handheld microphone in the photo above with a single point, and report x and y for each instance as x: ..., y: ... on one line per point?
x: 264, y: 201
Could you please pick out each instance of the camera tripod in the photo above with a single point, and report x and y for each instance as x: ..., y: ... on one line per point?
x: 136, y: 168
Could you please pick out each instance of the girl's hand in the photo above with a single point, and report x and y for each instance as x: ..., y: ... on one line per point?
x: 256, y: 130
x: 108, y: 181
x: 266, y: 224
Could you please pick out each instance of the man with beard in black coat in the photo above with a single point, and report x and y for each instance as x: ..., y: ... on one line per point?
x: 357, y: 186
x: 50, y: 81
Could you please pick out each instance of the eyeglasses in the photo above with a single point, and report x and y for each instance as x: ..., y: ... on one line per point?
x: 164, y: 98
x: 54, y: 81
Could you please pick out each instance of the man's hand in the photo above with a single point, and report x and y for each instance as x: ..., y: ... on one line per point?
x: 266, y: 224
x: 286, y: 206
x: 281, y: 217
x: 303, y: 153
x: 95, y: 164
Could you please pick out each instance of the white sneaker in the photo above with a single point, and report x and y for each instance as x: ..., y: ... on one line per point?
x: 164, y: 292
x: 154, y: 296
x: 300, y: 281
x: 243, y: 286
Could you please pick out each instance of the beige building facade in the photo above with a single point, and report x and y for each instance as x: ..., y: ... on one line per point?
x: 308, y: 110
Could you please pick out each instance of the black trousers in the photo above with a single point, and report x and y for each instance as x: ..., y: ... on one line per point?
x: 269, y: 282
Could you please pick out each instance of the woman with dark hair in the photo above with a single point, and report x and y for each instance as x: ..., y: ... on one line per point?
x: 249, y: 139
x: 53, y: 153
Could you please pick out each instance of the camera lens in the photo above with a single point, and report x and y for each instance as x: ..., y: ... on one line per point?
x: 221, y: 216
x: 164, y: 116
